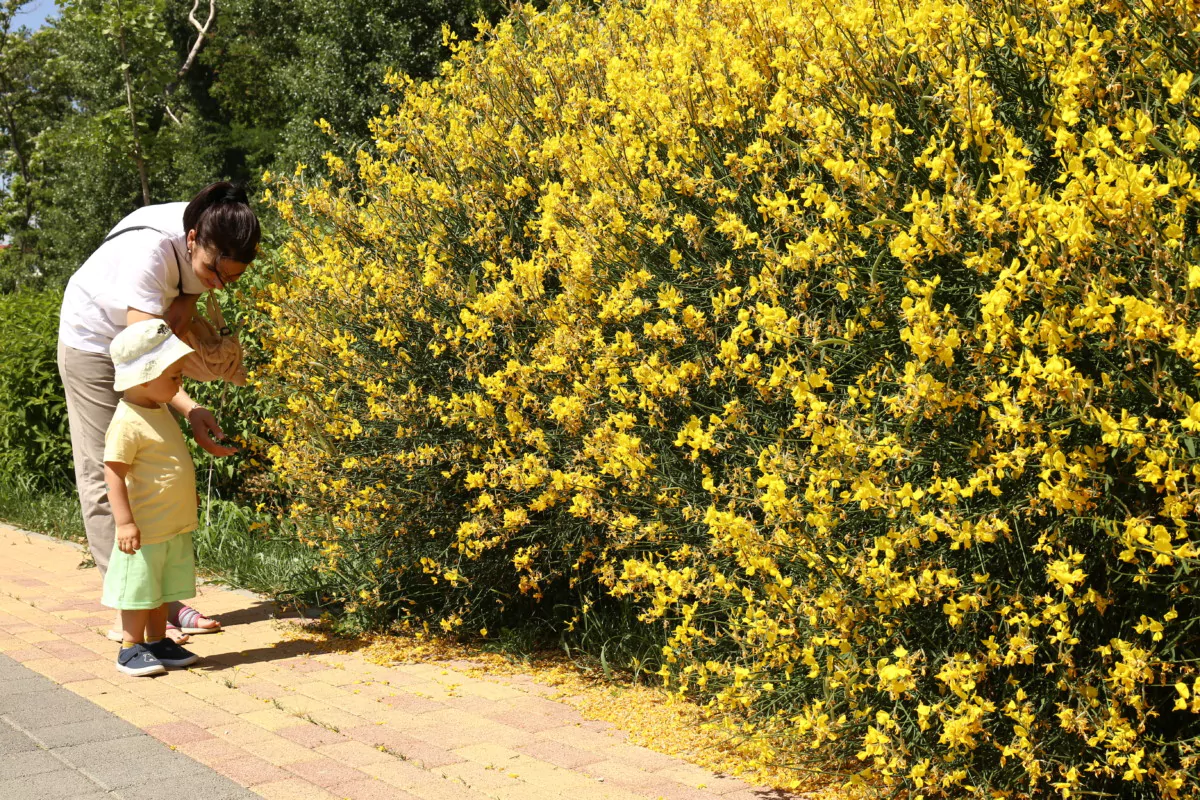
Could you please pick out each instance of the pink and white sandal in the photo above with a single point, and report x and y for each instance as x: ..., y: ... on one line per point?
x: 190, y: 621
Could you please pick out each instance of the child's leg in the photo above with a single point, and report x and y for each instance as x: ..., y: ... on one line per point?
x: 178, y: 580
x: 156, y: 624
x: 130, y: 582
x: 164, y: 649
x: 133, y: 625
x: 135, y: 658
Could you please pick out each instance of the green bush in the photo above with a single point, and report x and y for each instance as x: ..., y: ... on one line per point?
x: 34, y: 438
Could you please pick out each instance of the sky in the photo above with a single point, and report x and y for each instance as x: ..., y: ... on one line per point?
x: 34, y: 14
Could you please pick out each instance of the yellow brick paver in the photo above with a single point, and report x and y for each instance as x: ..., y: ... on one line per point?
x: 356, y: 754
x: 293, y: 789
x: 293, y: 723
x: 278, y: 751
x: 271, y: 719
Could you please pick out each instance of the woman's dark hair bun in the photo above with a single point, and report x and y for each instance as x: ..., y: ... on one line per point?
x: 221, y: 216
x: 235, y: 193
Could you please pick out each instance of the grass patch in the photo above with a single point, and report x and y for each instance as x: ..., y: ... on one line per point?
x: 236, y: 546
x: 241, y: 548
x: 54, y: 512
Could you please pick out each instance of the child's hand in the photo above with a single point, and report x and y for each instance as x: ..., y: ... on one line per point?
x: 129, y: 538
x: 206, y: 431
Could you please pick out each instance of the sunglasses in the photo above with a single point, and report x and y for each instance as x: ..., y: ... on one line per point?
x: 221, y: 278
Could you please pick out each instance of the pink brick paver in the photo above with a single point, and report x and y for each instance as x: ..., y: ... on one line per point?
x: 212, y: 751
x: 311, y: 736
x: 287, y: 720
x: 177, y: 733
x: 326, y: 772
x: 560, y: 755
x: 372, y: 790
x: 251, y: 771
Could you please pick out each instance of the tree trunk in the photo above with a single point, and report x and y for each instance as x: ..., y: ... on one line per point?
x: 133, y: 126
x: 202, y: 33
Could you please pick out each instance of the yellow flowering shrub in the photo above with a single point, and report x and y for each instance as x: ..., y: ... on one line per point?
x: 853, y: 344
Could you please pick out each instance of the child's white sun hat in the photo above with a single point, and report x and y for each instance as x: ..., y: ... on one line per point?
x: 143, y: 351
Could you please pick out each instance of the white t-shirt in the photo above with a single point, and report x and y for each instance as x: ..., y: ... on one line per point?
x: 138, y: 269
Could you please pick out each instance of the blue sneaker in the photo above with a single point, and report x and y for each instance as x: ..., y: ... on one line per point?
x: 170, y: 654
x: 139, y: 661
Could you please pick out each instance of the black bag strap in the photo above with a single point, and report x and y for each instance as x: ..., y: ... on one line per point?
x: 115, y: 234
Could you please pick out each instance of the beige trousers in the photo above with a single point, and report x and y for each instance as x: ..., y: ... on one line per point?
x: 91, y: 401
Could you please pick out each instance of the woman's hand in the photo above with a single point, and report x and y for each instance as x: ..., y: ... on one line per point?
x: 205, y: 429
x: 179, y: 313
x: 129, y: 538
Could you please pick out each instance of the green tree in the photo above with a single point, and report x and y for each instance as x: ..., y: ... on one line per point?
x: 32, y: 97
x: 277, y: 66
x: 128, y: 137
x: 146, y: 100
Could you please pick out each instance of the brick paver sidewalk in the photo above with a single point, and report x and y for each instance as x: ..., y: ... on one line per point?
x: 288, y: 722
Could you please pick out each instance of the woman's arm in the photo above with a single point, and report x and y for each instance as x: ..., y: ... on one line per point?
x: 129, y: 538
x: 133, y: 315
x: 178, y: 315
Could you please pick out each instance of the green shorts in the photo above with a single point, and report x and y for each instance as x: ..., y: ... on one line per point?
x: 155, y: 574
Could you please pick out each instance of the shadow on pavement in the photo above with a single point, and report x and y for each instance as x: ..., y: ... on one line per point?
x: 260, y: 611
x: 321, y: 643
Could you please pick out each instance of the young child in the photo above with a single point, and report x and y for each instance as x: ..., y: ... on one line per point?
x: 152, y: 490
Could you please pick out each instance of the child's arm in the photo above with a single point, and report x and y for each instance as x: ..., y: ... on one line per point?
x: 129, y: 538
